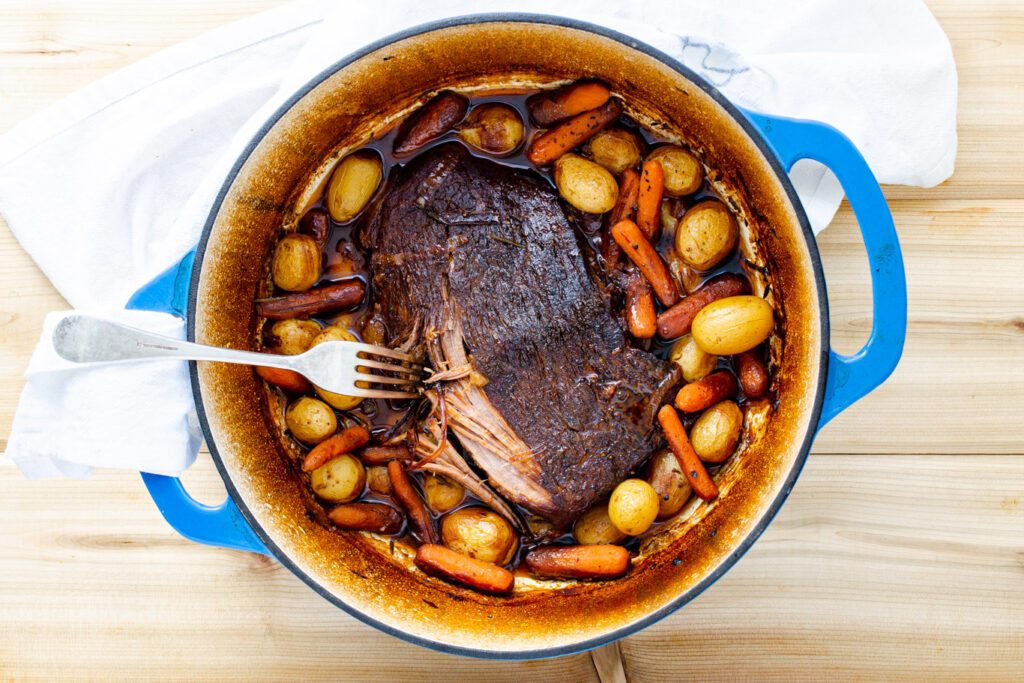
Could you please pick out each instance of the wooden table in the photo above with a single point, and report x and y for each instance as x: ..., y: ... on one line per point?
x: 899, y: 553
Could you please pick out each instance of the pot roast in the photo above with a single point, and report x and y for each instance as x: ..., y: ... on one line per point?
x: 477, y: 265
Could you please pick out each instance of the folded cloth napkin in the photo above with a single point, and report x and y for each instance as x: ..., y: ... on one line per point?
x: 110, y: 186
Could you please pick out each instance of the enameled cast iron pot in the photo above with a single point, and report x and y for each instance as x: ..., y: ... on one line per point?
x: 273, y: 182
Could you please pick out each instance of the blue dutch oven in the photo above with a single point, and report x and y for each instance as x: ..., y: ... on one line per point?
x: 272, y: 183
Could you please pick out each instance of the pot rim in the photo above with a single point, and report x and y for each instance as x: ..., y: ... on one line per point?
x: 815, y: 259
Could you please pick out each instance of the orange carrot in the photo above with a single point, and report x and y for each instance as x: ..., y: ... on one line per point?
x: 701, y: 482
x: 419, y: 516
x: 437, y: 116
x: 381, y: 455
x: 551, y: 107
x: 560, y: 140
x: 346, y: 441
x: 639, y: 250
x: 579, y: 561
x: 640, y: 314
x: 438, y: 560
x: 752, y: 373
x: 652, y: 187
x: 704, y: 393
x: 377, y: 517
x: 676, y: 321
x: 624, y: 209
x: 289, y: 380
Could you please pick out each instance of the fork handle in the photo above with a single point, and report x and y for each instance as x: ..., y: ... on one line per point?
x: 84, y: 339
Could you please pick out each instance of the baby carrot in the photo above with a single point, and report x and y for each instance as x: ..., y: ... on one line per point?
x: 435, y: 118
x: 752, y: 373
x: 676, y: 321
x: 562, y: 139
x: 704, y: 393
x: 558, y: 105
x: 381, y: 455
x: 579, y: 561
x: 639, y: 250
x: 438, y: 560
x: 288, y: 380
x: 344, y: 442
x: 701, y: 482
x: 413, y: 504
x: 640, y: 314
x: 652, y: 187
x: 377, y: 517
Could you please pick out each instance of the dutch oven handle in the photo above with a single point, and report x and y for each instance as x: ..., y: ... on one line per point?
x: 851, y: 377
x: 220, y: 525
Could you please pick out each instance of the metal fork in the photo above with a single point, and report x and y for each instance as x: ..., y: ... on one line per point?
x: 340, y: 367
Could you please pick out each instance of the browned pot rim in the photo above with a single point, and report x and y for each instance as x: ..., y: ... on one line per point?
x: 815, y: 260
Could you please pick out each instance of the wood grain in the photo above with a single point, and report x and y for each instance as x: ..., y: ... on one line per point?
x: 877, y: 565
x: 899, y: 554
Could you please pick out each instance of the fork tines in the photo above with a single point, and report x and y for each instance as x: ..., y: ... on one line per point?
x: 402, y: 372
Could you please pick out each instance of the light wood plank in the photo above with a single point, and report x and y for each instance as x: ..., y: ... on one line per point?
x: 908, y: 565
x: 960, y: 384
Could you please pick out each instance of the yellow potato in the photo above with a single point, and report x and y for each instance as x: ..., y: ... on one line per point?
x: 733, y: 325
x: 586, y: 185
x: 694, y: 361
x: 495, y: 128
x: 378, y: 479
x: 340, y: 480
x: 339, y: 401
x: 717, y: 431
x: 480, y: 533
x: 633, y: 506
x: 616, y: 149
x: 310, y: 420
x: 294, y: 336
x: 352, y: 185
x: 442, y: 494
x: 706, y: 234
x: 595, y: 527
x: 296, y: 263
x: 683, y: 172
x: 666, y: 477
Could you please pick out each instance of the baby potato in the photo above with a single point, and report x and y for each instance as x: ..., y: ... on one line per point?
x: 294, y: 336
x: 495, y: 128
x: 586, y: 185
x: 733, y: 325
x: 595, y: 527
x: 296, y: 263
x: 695, y: 362
x: 339, y: 480
x: 339, y: 401
x: 442, y: 494
x: 310, y: 420
x: 667, y: 479
x: 717, y: 431
x: 352, y: 185
x: 683, y: 172
x: 378, y: 479
x: 633, y: 506
x: 616, y: 149
x: 480, y: 533
x: 706, y: 234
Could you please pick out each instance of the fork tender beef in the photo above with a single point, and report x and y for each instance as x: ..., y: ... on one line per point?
x: 477, y: 265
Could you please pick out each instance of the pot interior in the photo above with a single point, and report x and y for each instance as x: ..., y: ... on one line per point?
x: 273, y: 186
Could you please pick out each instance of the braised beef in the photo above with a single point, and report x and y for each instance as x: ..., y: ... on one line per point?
x: 478, y: 265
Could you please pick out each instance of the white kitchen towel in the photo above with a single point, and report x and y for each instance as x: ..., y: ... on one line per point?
x: 110, y: 186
